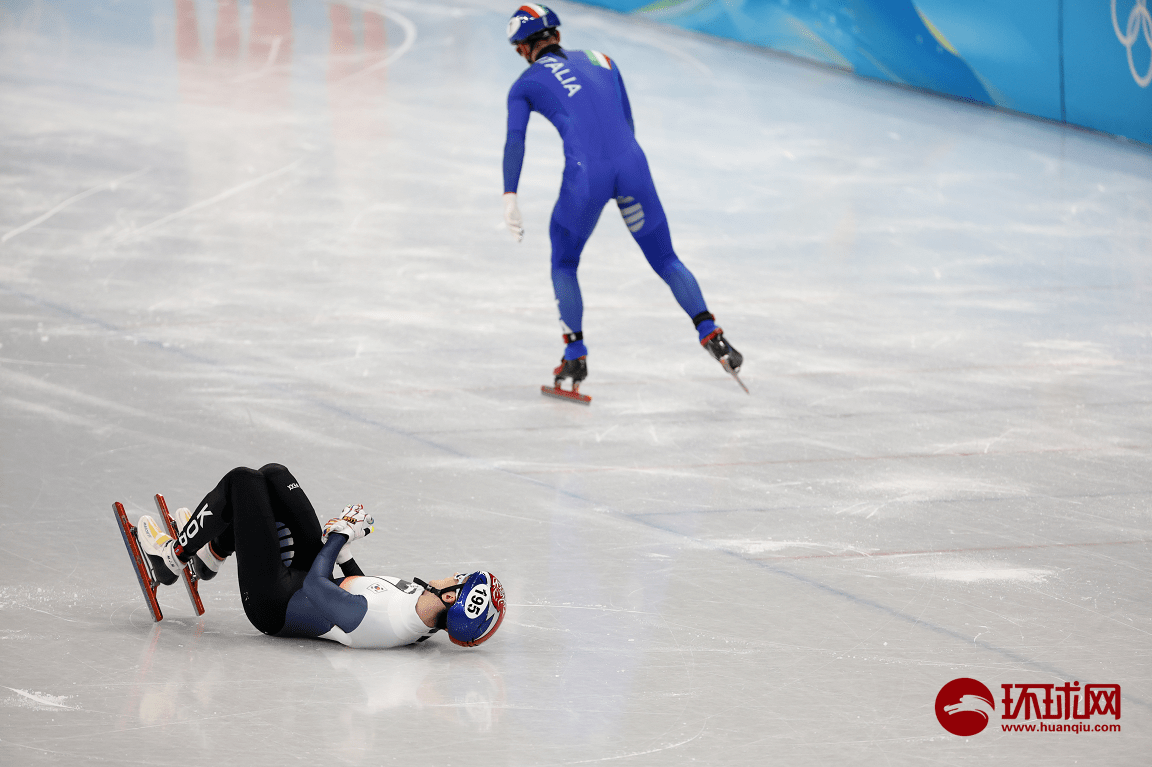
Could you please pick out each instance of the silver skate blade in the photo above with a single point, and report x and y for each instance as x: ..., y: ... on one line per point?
x: 731, y: 372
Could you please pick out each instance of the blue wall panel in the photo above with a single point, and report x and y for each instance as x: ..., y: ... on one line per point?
x: 1108, y: 66
x: 1014, y: 47
x: 1088, y: 62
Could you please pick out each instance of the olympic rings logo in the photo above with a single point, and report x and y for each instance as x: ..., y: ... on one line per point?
x: 1139, y: 20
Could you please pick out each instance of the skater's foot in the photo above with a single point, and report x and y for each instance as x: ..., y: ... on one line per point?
x: 576, y: 369
x: 722, y: 351
x: 160, y: 549
x: 207, y: 562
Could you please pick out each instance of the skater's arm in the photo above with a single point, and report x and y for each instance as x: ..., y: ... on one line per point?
x: 335, y: 604
x: 518, y: 113
x: 513, y: 160
x: 624, y: 100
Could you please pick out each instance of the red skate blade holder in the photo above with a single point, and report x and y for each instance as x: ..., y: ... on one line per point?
x: 191, y: 582
x: 148, y: 584
x: 564, y: 394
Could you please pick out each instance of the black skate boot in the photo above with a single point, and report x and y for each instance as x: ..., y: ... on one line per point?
x: 723, y: 352
x: 577, y: 370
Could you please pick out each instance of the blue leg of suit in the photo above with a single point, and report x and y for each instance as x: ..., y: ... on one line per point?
x: 585, y: 190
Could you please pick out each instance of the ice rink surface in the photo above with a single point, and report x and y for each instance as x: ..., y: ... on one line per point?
x: 239, y: 233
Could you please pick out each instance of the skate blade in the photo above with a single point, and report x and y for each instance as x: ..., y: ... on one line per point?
x: 571, y: 396
x: 147, y: 585
x: 731, y: 372
x: 191, y: 584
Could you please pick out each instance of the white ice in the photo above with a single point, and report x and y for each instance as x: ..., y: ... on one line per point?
x: 287, y: 246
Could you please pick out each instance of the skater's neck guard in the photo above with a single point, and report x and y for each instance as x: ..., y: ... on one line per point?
x: 552, y: 50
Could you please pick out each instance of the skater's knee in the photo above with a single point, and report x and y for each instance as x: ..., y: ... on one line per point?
x: 566, y: 249
x: 671, y: 269
x: 243, y: 474
x: 277, y: 476
x: 657, y: 248
x: 563, y: 270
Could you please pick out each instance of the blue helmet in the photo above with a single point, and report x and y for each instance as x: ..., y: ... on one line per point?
x: 478, y: 610
x: 530, y: 19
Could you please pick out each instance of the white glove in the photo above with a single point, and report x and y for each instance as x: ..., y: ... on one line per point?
x: 512, y: 218
x: 353, y: 522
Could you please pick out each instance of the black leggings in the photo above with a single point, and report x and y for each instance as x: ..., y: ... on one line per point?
x: 245, y: 508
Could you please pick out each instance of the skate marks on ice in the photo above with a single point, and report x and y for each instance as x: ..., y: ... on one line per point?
x: 110, y: 186
x: 405, y: 45
x: 42, y: 601
x: 943, y: 577
x: 647, y: 752
x: 244, y: 186
x: 940, y: 565
x: 754, y: 548
x: 40, y: 701
x: 467, y: 690
x: 976, y: 572
x: 958, y: 565
x: 709, y: 693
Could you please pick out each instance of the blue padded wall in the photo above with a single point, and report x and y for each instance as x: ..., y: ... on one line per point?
x: 1086, y: 62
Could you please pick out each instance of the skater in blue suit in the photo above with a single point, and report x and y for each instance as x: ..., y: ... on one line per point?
x: 583, y: 95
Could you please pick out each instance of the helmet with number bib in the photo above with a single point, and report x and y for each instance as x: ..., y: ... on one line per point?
x: 529, y: 20
x: 478, y: 610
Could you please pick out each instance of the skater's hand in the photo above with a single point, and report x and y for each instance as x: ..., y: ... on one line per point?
x: 512, y: 218
x: 353, y: 522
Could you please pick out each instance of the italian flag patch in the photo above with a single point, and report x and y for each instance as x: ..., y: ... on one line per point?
x: 599, y: 59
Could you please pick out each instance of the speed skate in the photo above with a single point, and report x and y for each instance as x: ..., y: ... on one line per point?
x: 577, y: 370
x: 572, y: 395
x: 723, y: 352
x: 146, y: 573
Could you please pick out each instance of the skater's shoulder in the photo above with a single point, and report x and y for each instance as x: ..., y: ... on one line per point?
x: 600, y: 59
x: 547, y: 62
x: 583, y: 58
x: 530, y: 75
x: 379, y: 585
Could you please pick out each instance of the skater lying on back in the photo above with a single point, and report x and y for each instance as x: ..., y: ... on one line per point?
x: 285, y: 561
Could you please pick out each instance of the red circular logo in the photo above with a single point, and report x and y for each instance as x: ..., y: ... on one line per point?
x: 964, y: 706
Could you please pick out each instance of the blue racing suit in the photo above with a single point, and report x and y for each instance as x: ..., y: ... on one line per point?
x: 582, y: 94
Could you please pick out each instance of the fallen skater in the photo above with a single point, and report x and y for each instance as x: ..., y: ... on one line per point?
x: 285, y: 564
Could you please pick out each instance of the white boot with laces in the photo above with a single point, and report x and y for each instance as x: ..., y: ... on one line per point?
x: 160, y: 549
